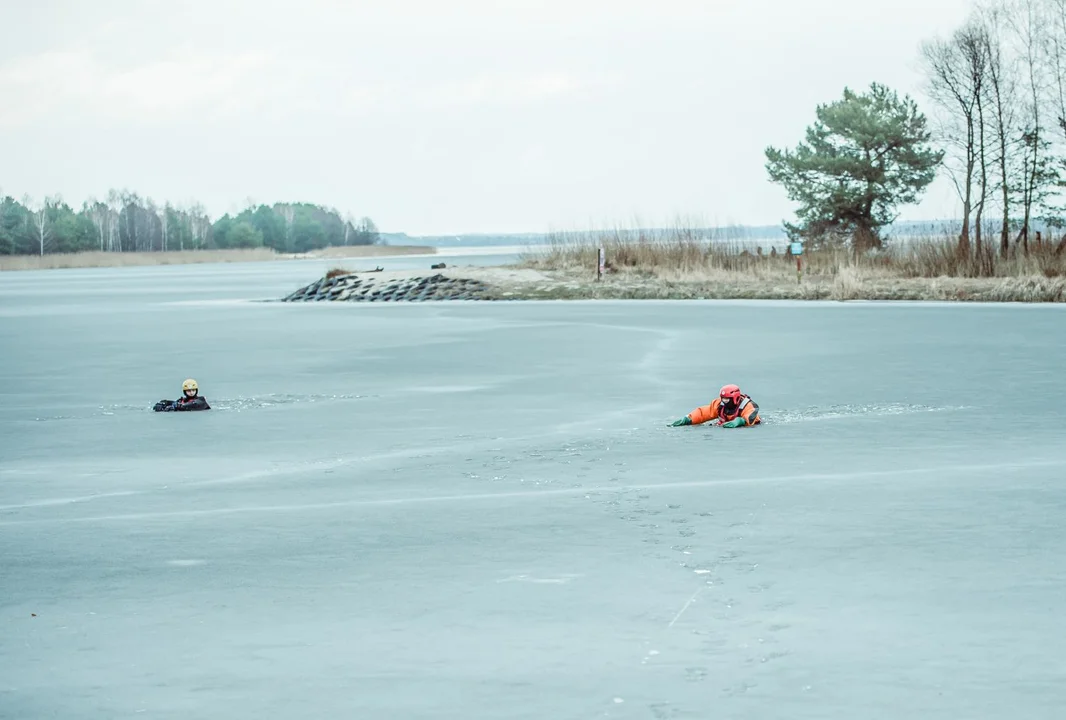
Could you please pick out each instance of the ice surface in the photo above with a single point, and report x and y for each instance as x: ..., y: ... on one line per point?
x: 479, y: 511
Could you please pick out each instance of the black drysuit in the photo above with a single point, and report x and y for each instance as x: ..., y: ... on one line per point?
x: 182, y: 404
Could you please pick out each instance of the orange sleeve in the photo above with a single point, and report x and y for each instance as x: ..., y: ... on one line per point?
x: 704, y: 413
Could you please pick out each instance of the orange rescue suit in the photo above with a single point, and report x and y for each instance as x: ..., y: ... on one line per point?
x: 746, y: 409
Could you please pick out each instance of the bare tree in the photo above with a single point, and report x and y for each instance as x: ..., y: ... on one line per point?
x: 1056, y: 13
x: 129, y: 202
x: 288, y: 212
x: 114, y: 204
x: 91, y: 208
x: 980, y: 65
x: 1001, y: 92
x: 151, y: 218
x: 956, y: 70
x: 349, y: 226
x: 199, y: 223
x: 1028, y: 21
x: 39, y: 216
x: 1056, y: 50
x: 164, y: 223
x: 367, y: 232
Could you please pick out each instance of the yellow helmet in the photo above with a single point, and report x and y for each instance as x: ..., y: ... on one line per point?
x: 188, y: 385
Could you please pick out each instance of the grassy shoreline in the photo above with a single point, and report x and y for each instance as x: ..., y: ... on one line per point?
x: 678, y: 266
x: 96, y: 259
x: 563, y: 285
x: 514, y: 283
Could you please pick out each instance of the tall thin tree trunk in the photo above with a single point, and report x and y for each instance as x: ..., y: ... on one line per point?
x: 967, y: 200
x: 984, y: 174
x: 1004, y: 233
x: 40, y: 222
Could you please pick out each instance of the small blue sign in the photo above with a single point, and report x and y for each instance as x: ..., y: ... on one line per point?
x: 796, y: 248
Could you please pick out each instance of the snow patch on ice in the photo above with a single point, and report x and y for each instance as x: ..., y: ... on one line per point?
x: 837, y: 412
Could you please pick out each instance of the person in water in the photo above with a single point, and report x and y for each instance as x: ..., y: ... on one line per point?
x: 190, y: 399
x: 730, y: 409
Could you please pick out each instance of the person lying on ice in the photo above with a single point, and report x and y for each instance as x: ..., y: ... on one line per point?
x: 190, y: 400
x: 730, y: 409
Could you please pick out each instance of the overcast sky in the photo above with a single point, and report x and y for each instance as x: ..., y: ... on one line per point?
x: 443, y: 116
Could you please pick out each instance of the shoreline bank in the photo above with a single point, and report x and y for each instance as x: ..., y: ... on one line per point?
x: 97, y: 259
x: 517, y: 282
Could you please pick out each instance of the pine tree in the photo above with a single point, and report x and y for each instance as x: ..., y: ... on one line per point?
x: 865, y: 155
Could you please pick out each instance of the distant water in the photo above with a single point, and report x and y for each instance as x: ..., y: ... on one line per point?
x: 42, y: 291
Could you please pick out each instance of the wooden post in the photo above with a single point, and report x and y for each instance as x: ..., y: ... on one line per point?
x: 796, y: 250
x: 600, y: 264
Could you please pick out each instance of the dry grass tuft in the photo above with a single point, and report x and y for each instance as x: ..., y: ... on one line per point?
x: 337, y: 272
x: 848, y: 284
x: 939, y: 257
x: 1029, y: 289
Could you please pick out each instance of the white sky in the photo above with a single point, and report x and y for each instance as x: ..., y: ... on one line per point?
x: 435, y: 116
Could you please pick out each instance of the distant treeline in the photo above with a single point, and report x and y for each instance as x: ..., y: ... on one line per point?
x: 125, y: 222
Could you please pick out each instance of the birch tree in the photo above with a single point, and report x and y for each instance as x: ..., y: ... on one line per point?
x: 349, y: 226
x: 956, y: 70
x: 114, y: 204
x: 164, y: 223
x: 151, y: 219
x: 38, y: 215
x: 98, y: 214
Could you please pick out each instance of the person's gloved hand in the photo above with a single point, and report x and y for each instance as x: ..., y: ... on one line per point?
x: 683, y: 421
x: 735, y: 422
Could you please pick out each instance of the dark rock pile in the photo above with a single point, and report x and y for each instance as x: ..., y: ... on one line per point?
x: 355, y: 288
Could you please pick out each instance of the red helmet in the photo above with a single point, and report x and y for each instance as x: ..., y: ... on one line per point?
x: 729, y: 394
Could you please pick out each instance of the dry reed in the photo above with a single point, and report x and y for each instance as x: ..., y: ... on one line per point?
x: 95, y: 259
x: 680, y: 264
x: 674, y: 256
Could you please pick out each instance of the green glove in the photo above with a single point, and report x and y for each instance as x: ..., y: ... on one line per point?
x: 735, y: 422
x: 683, y: 421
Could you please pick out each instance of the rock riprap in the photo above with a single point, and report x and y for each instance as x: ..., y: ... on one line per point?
x: 368, y: 287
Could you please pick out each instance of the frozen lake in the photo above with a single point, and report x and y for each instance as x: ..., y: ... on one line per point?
x: 479, y: 511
